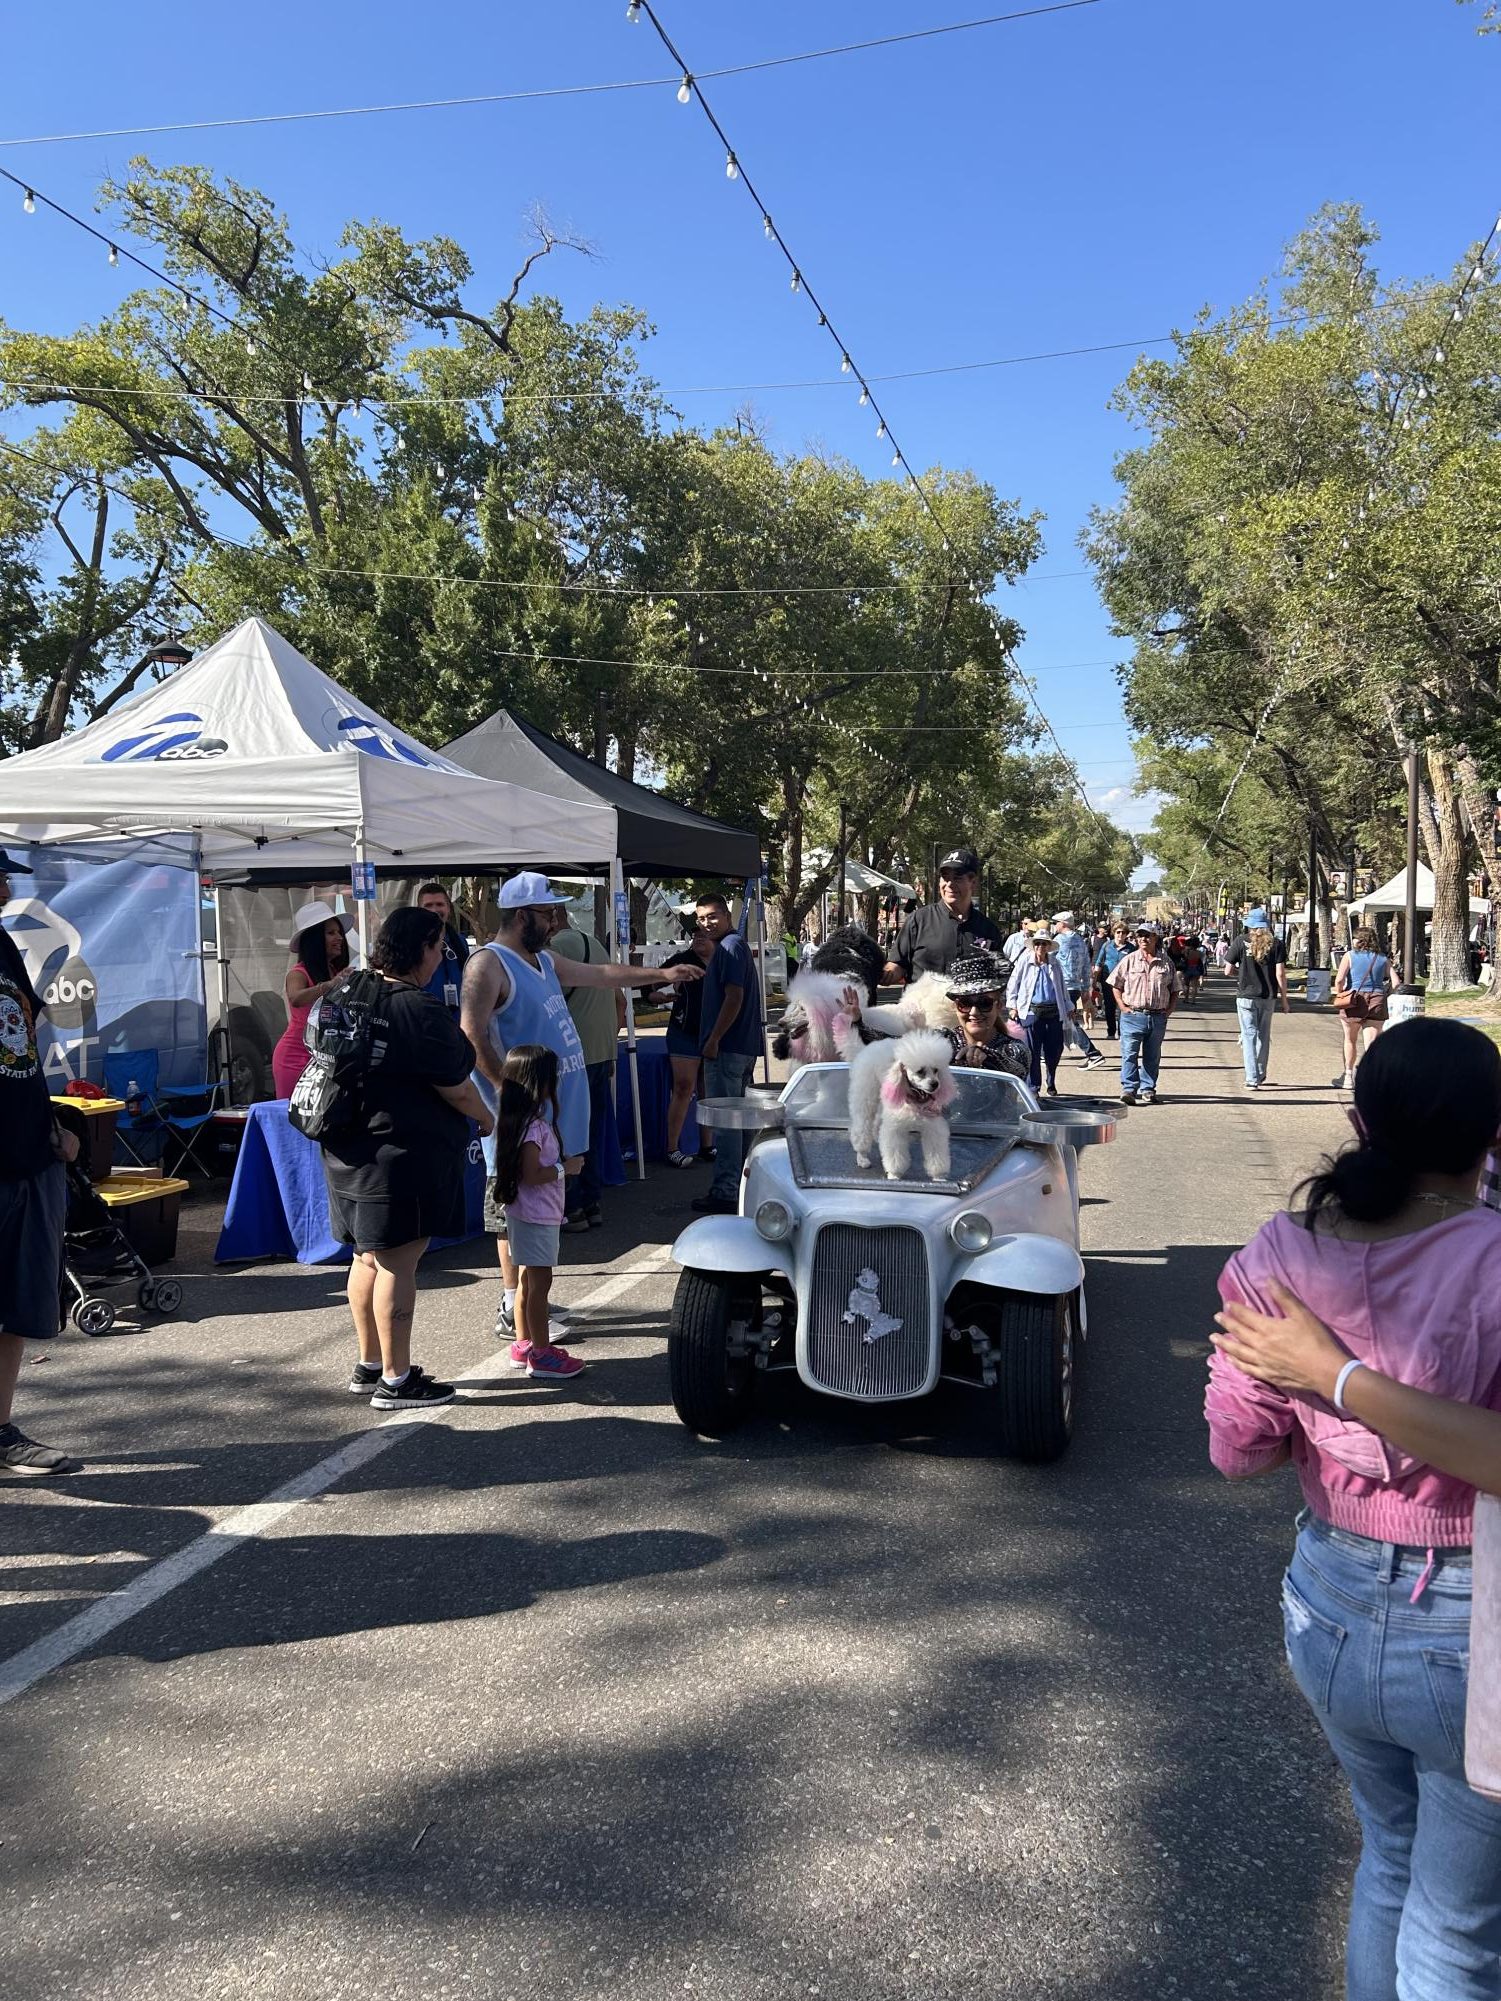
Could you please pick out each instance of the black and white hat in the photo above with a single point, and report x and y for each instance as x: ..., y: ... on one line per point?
x: 981, y: 971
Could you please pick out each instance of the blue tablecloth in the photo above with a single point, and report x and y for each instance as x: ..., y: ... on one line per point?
x: 278, y: 1200
x: 655, y: 1067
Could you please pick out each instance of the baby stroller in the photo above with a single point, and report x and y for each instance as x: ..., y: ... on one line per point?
x: 97, y: 1254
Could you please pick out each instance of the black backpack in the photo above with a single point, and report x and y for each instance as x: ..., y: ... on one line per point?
x: 349, y: 1041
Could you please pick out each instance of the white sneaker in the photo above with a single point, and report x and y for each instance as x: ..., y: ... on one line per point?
x: 1146, y: 1097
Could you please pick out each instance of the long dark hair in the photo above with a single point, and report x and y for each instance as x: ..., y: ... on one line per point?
x: 528, y: 1079
x: 311, y: 949
x: 1428, y: 1101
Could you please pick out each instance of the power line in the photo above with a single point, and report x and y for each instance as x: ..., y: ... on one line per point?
x: 534, y: 96
x: 689, y: 90
x: 423, y: 398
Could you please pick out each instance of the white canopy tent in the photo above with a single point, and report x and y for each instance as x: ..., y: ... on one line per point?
x: 279, y: 774
x: 1393, y: 896
x: 274, y: 767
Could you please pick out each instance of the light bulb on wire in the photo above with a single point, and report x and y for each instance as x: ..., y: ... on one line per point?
x: 633, y: 12
x: 880, y: 430
x: 864, y: 395
x: 30, y: 203
x: 766, y: 229
x: 731, y: 168
x: 685, y: 89
x: 845, y: 364
x: 797, y: 280
x: 114, y: 255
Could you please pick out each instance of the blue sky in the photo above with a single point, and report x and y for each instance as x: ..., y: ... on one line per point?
x: 1085, y: 177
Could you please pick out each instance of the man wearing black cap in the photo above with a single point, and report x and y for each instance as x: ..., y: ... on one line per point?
x: 33, y: 1197
x: 937, y: 934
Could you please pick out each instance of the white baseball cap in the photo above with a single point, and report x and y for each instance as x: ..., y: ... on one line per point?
x: 528, y: 891
x: 1063, y: 917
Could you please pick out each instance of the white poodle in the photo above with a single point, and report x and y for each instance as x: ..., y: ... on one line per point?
x: 897, y: 1090
x: 924, y: 1004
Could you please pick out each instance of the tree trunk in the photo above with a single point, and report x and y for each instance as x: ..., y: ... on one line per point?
x: 1449, y: 958
x: 1480, y: 805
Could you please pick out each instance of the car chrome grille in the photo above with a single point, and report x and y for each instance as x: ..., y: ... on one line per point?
x: 839, y: 1357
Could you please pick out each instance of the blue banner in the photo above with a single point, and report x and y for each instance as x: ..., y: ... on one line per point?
x: 111, y: 946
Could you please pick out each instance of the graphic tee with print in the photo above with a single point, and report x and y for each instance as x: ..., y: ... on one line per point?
x: 25, y: 1104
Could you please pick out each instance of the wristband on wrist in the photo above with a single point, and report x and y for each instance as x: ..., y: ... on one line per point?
x: 1342, y: 1378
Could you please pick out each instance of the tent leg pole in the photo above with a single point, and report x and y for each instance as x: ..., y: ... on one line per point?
x: 226, y: 1039
x: 361, y: 907
x: 755, y: 889
x: 622, y: 928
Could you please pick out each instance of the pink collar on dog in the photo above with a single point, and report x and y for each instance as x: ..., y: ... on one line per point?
x: 897, y: 1090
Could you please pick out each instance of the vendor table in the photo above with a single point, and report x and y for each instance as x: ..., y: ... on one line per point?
x: 278, y: 1200
x: 655, y: 1068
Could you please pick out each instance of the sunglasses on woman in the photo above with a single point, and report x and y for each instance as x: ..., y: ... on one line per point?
x: 974, y: 1003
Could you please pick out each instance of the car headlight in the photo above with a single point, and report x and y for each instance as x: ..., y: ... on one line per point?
x: 774, y: 1220
x: 971, y: 1231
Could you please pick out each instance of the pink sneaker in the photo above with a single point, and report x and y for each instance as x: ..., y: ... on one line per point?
x: 552, y: 1361
x: 520, y: 1354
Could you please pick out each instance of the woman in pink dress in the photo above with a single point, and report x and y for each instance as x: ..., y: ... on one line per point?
x: 320, y: 955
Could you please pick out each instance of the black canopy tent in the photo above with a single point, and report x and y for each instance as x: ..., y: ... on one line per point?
x: 656, y: 837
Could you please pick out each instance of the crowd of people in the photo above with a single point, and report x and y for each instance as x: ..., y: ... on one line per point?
x: 1354, y: 1342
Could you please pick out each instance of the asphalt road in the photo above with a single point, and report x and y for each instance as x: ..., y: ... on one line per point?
x: 546, y: 1698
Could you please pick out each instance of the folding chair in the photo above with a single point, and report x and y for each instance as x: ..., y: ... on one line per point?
x: 160, y: 1110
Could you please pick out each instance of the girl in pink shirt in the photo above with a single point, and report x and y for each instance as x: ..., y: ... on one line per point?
x: 529, y: 1184
x: 1394, y: 1252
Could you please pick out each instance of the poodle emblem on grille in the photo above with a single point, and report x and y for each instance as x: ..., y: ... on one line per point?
x: 865, y: 1304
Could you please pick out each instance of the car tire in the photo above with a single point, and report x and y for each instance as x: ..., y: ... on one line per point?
x: 1038, y: 1387
x: 712, y: 1390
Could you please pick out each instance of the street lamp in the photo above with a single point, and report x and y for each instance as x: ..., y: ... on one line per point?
x: 169, y: 652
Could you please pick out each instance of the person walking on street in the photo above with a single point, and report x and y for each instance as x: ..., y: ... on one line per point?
x: 599, y: 1016
x: 1038, y: 999
x: 1383, y: 1246
x: 1365, y: 974
x: 1148, y: 987
x: 1073, y: 964
x: 1111, y: 950
x: 732, y: 1040
x: 1018, y: 945
x: 684, y: 1036
x: 934, y: 936
x: 1260, y: 966
x: 514, y: 993
x: 33, y: 1199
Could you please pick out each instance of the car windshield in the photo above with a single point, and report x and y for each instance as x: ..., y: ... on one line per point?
x: 989, y: 1103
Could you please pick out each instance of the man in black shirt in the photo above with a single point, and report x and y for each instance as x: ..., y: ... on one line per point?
x: 937, y: 934
x: 33, y: 1197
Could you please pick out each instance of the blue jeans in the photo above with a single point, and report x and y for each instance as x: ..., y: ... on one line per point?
x: 1255, y: 1036
x: 1386, y: 1676
x: 1076, y: 1032
x: 1141, y: 1049
x: 726, y: 1076
x: 583, y: 1189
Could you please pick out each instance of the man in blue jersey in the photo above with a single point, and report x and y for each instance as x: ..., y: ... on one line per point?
x: 514, y: 993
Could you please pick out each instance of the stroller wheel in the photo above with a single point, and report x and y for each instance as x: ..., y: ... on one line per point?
x: 146, y: 1294
x: 167, y: 1295
x: 93, y: 1316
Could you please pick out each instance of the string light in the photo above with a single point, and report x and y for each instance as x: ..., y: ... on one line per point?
x: 114, y: 255
x: 844, y: 365
x: 731, y: 171
x: 30, y: 203
x: 633, y: 12
x: 766, y: 229
x: 685, y: 89
x: 797, y: 279
x: 864, y: 395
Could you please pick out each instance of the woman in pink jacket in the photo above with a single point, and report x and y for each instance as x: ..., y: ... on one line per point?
x: 1392, y: 1250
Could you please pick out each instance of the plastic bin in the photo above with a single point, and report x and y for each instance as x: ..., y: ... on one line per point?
x: 100, y: 1117
x: 226, y: 1134
x: 146, y: 1206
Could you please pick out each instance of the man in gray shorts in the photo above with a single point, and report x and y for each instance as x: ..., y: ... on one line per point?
x: 33, y: 1199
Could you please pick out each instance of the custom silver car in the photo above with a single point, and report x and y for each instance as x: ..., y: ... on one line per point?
x: 875, y: 1289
